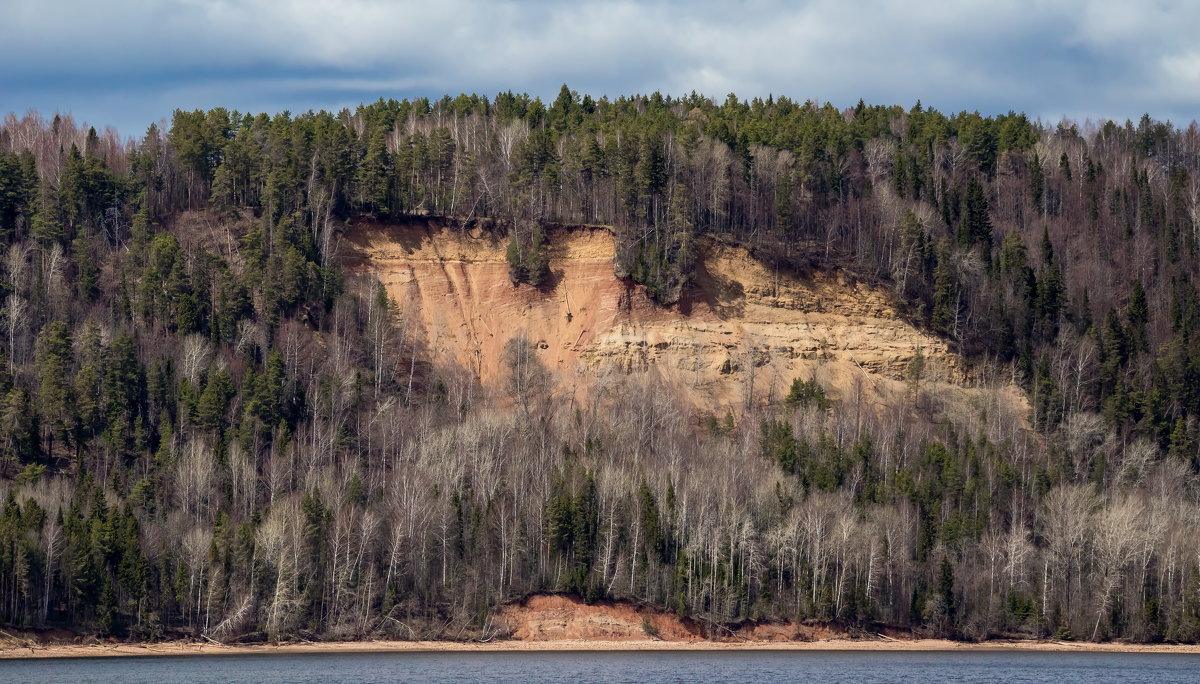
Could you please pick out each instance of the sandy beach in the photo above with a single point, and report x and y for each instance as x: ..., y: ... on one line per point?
x: 10, y: 651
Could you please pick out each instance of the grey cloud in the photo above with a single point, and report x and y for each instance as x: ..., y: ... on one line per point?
x: 1075, y: 58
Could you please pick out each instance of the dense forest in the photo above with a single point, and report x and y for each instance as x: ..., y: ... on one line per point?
x: 207, y: 427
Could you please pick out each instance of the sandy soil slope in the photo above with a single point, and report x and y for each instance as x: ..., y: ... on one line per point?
x: 557, y: 618
x: 739, y: 336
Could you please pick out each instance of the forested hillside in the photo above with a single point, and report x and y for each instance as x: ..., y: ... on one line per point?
x: 208, y: 427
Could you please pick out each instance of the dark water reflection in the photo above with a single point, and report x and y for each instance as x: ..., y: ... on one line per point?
x: 637, y: 667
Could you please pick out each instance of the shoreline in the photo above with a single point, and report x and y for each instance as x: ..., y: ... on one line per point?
x: 177, y: 648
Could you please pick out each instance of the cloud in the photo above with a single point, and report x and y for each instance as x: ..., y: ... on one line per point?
x: 130, y: 62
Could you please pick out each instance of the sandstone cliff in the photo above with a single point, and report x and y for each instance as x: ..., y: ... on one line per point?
x: 740, y: 335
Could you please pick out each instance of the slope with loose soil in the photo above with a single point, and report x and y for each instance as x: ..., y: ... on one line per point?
x: 741, y: 333
x: 559, y: 617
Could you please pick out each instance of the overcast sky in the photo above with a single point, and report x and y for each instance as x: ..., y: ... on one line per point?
x: 127, y: 63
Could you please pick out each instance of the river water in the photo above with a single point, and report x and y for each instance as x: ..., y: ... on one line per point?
x: 758, y: 667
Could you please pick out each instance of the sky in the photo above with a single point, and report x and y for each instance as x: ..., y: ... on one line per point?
x: 127, y: 63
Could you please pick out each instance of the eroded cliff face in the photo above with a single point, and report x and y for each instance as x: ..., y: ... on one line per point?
x: 559, y: 617
x: 740, y: 335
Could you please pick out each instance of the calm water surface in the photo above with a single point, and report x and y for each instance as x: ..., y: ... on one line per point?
x: 758, y: 667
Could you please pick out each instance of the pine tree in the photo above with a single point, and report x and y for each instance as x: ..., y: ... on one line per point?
x: 1037, y: 185
x: 374, y: 178
x: 47, y: 224
x: 55, y: 402
x: 947, y: 300
x: 975, y: 224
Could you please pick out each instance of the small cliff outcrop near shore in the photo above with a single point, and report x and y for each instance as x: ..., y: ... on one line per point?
x: 561, y: 617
